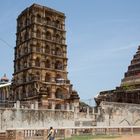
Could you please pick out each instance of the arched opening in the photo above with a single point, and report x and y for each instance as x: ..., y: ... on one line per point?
x: 58, y: 38
x: 125, y: 122
x: 30, y: 91
x: 137, y: 122
x: 58, y: 51
x: 26, y: 36
x: 59, y: 79
x: 18, y: 65
x: 25, y: 49
x: 38, y: 47
x: 38, y: 18
x: 129, y: 98
x: 48, y: 19
x: 58, y: 76
x: 19, y: 53
x: 37, y: 76
x: 24, y: 77
x: 58, y: 106
x: 47, y: 49
x: 27, y: 21
x: 48, y: 63
x: 48, y: 92
x: 57, y: 23
x: 29, y: 77
x: 58, y: 65
x: 48, y: 35
x: 37, y: 62
x: 47, y: 77
x: 38, y: 33
x: 25, y: 64
x: 24, y: 91
x: 59, y: 94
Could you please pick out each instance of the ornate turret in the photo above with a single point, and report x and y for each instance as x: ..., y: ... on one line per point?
x: 74, y: 95
x: 4, y: 79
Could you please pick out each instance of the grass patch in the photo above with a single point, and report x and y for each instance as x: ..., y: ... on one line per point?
x: 90, y: 137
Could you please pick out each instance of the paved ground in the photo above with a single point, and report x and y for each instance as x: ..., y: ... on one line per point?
x: 129, y: 138
x: 136, y: 137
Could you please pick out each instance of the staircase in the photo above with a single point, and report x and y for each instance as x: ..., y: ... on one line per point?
x: 2, y: 136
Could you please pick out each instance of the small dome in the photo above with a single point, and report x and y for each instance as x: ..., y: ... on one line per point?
x: 4, y: 79
x: 74, y: 95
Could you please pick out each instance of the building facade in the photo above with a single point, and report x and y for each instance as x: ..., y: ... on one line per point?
x: 40, y: 64
x: 5, y: 91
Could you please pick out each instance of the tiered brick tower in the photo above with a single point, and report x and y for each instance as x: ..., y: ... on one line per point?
x: 40, y: 65
x: 129, y: 90
x: 132, y: 76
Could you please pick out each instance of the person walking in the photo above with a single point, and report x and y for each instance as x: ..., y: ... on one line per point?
x: 51, y: 134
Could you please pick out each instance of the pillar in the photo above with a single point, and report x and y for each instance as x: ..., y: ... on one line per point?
x: 93, y: 131
x: 72, y: 107
x: 132, y: 131
x: 120, y: 131
x: 93, y: 111
x: 19, y: 135
x: 99, y: 110
x: 36, y: 105
x: 53, y: 106
x: 75, y: 112
x: 107, y: 131
x: 68, y: 107
x: 45, y: 134
x: 67, y: 133
x: 87, y: 115
x: 32, y: 106
x: 18, y: 104
x: 15, y: 105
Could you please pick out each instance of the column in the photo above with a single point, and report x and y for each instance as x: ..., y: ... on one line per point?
x: 45, y: 134
x: 53, y: 106
x: 36, y: 105
x: 120, y: 131
x: 18, y: 104
x: 132, y: 131
x: 19, y: 135
x: 68, y: 107
x: 87, y: 115
x: 32, y: 106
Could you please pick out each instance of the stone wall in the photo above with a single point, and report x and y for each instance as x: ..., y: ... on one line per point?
x: 63, y: 133
x: 30, y: 118
x: 109, y: 114
x: 118, y: 114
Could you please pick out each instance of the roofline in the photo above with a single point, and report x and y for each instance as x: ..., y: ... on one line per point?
x: 4, y: 85
x: 43, y: 7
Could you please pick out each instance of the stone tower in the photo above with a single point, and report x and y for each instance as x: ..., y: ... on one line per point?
x: 40, y: 65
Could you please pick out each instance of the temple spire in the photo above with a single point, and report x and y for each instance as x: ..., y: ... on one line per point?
x: 132, y: 76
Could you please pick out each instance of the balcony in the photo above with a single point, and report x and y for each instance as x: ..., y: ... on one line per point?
x: 62, y: 81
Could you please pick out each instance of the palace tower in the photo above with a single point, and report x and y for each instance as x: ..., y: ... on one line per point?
x: 40, y: 65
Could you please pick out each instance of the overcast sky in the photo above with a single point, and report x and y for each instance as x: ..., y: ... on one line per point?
x: 102, y: 37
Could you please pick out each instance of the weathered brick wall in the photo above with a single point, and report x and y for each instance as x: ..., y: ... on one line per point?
x: 26, y: 118
x: 118, y: 114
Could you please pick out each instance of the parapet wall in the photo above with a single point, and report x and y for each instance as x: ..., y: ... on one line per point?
x: 118, y: 114
x: 109, y: 114
x: 30, y: 118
